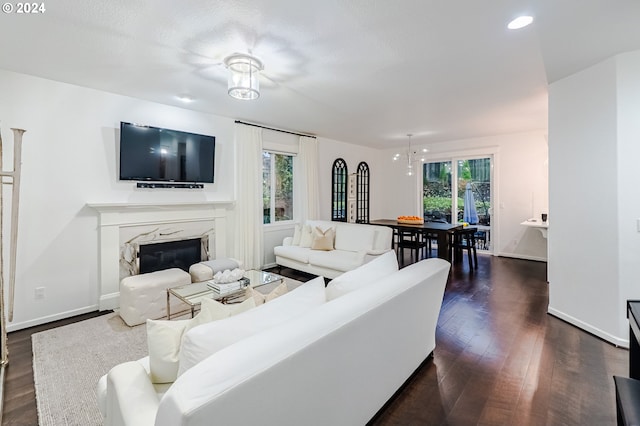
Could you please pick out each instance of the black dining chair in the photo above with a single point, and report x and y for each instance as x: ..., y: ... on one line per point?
x: 461, y: 240
x: 412, y: 240
x: 428, y: 240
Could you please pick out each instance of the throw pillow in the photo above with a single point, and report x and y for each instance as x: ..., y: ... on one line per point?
x: 164, y: 337
x: 261, y: 298
x: 297, y: 233
x: 163, y: 341
x: 212, y: 310
x: 323, y: 240
x: 384, y: 265
x: 202, y: 342
x: 306, y: 238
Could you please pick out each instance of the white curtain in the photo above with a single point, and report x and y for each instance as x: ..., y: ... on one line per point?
x: 248, y: 236
x: 306, y: 180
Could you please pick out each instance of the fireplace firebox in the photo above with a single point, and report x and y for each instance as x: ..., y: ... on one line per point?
x: 170, y: 254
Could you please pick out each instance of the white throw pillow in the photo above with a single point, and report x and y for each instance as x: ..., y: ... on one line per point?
x: 261, y: 298
x: 212, y: 310
x: 385, y: 264
x: 297, y: 234
x: 164, y: 337
x: 307, y: 236
x: 163, y: 340
x: 201, y: 342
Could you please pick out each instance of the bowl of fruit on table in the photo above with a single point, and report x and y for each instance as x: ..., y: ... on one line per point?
x: 410, y: 220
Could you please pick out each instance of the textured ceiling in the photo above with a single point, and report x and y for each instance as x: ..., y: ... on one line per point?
x: 360, y: 71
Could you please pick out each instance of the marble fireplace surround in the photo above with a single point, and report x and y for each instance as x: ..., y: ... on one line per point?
x: 118, y: 222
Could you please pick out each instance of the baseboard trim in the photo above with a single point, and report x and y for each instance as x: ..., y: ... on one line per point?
x: 623, y: 343
x: 51, y: 318
x: 109, y: 301
x: 523, y: 256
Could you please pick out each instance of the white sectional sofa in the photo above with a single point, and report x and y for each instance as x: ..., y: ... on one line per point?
x: 335, y: 358
x: 354, y: 245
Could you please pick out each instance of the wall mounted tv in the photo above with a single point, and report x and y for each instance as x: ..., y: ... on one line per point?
x: 155, y: 154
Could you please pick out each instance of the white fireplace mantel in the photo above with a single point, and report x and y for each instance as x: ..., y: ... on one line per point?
x: 113, y: 216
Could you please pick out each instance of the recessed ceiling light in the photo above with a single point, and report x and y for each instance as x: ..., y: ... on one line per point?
x: 185, y: 98
x: 520, y: 22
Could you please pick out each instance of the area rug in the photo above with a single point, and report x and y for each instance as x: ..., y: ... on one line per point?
x: 69, y: 360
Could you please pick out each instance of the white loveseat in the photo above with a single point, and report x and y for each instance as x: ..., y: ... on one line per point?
x: 355, y: 244
x: 337, y: 363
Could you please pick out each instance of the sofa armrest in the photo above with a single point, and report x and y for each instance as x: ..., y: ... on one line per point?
x: 374, y: 254
x: 287, y: 241
x: 131, y: 397
x: 377, y: 252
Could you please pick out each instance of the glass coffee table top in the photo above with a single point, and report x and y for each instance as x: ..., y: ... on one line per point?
x: 192, y: 294
x: 260, y: 278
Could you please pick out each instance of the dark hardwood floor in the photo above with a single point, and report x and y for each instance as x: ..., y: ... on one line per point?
x: 500, y: 359
x: 19, y: 394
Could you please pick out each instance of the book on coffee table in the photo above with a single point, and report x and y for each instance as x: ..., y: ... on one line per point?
x: 228, y: 288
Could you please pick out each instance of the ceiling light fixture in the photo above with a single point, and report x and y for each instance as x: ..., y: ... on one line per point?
x: 520, y: 22
x: 411, y: 156
x: 243, y: 80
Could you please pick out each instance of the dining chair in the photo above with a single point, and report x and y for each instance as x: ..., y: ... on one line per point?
x: 429, y: 239
x: 412, y: 240
x: 481, y: 239
x: 461, y: 240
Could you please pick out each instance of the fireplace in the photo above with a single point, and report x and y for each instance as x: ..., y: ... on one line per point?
x: 170, y: 254
x: 124, y: 227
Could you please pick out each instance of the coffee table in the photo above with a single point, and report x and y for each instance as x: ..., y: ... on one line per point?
x: 192, y: 294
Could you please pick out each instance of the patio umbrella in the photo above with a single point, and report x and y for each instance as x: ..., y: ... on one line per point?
x: 470, y: 214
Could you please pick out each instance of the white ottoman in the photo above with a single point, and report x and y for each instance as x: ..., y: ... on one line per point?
x: 204, y: 271
x: 144, y: 296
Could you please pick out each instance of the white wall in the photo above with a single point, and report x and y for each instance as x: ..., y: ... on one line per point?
x: 69, y: 159
x: 520, y: 180
x: 328, y: 151
x: 628, y: 93
x: 594, y: 242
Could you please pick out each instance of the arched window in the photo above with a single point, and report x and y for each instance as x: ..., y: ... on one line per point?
x: 362, y: 193
x: 339, y: 190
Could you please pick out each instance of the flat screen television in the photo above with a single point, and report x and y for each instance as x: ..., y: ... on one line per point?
x: 154, y: 154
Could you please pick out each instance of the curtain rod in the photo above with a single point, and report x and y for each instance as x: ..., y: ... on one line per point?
x: 275, y: 130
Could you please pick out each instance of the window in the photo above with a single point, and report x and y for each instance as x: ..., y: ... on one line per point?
x: 277, y: 187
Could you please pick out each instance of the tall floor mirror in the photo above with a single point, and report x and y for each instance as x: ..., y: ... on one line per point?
x: 362, y: 198
x: 339, y: 175
x: 11, y: 179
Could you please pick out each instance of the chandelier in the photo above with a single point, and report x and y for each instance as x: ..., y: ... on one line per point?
x: 411, y: 157
x: 244, y: 70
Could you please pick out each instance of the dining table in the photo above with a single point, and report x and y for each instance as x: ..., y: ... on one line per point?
x: 441, y: 230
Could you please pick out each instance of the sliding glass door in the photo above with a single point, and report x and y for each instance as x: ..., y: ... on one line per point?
x: 460, y: 194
